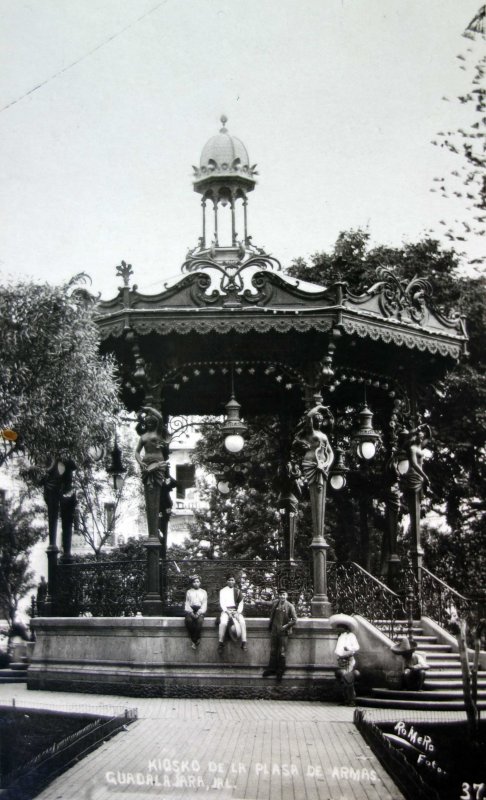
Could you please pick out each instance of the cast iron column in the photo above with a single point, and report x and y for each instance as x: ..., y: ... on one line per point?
x: 320, y: 605
x: 152, y: 603
x: 392, y: 512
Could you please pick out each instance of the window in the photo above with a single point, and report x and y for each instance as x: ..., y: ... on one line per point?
x: 186, y: 478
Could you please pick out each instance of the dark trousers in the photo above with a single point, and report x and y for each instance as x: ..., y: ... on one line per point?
x: 194, y: 627
x: 346, y: 684
x: 278, y: 650
x: 413, y: 679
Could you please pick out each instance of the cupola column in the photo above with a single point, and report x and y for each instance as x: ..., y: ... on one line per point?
x: 216, y: 241
x: 203, y: 203
x: 245, y: 219
x: 233, y: 226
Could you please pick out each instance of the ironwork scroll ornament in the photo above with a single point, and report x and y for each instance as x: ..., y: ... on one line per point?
x: 231, y: 280
x: 402, y: 299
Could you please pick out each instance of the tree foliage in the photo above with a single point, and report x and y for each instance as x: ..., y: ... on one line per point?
x: 56, y: 392
x: 466, y: 182
x: 94, y: 488
x: 18, y: 534
x: 244, y: 523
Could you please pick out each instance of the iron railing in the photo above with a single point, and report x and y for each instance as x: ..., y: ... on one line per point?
x: 444, y: 604
x: 100, y: 588
x: 116, y: 588
x: 353, y: 590
x: 260, y: 582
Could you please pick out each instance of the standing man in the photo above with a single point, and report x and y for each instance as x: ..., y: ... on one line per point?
x: 231, y: 604
x: 283, y: 617
x: 195, y: 609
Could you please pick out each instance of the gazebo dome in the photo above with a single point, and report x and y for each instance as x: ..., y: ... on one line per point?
x: 224, y: 152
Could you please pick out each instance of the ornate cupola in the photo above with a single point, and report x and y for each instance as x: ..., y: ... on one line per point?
x: 224, y: 178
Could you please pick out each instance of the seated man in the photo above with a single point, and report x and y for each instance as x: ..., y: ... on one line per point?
x: 415, y: 664
x: 347, y: 645
x: 195, y: 609
x: 283, y: 617
x: 231, y: 604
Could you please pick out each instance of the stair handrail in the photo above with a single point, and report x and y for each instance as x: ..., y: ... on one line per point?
x: 446, y: 585
x: 375, y: 579
x: 448, y: 605
x: 354, y: 590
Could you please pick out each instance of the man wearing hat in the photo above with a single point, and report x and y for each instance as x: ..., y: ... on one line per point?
x: 346, y: 646
x: 231, y: 617
x: 195, y: 608
x: 415, y: 664
x: 283, y: 617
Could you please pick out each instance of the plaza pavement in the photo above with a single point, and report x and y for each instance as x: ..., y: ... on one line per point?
x: 180, y: 749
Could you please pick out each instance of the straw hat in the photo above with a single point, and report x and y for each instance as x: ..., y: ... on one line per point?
x: 404, y: 646
x: 343, y: 619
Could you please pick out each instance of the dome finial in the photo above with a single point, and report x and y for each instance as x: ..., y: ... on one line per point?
x: 224, y: 120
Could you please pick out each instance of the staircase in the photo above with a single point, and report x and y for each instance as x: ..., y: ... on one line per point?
x: 443, y: 683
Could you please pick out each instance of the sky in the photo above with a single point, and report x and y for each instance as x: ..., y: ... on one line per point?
x: 337, y: 101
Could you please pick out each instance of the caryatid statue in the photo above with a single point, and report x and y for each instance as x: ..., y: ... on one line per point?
x: 414, y: 481
x: 154, y: 443
x: 316, y: 463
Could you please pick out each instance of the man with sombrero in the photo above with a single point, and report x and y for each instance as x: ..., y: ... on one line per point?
x: 231, y: 617
x: 347, y: 645
x: 415, y: 664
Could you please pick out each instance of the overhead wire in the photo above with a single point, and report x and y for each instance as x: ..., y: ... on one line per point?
x: 84, y: 57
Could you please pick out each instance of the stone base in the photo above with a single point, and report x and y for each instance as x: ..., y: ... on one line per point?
x: 153, y: 657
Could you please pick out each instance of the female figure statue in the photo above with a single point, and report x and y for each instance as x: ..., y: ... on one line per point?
x: 319, y: 455
x: 154, y: 442
x: 415, y: 478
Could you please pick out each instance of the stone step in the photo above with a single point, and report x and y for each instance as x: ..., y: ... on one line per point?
x: 425, y: 640
x: 12, y: 676
x: 445, y: 673
x: 436, y: 683
x: 394, y: 702
x: 436, y: 648
x: 444, y: 693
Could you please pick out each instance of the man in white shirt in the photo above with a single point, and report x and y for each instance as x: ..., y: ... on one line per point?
x: 231, y: 604
x: 347, y: 645
x: 195, y: 608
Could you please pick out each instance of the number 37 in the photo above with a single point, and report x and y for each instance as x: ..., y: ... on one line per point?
x: 474, y: 792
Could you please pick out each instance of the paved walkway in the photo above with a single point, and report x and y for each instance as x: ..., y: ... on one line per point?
x: 217, y: 749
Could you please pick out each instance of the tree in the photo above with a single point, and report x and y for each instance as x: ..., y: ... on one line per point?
x: 467, y: 180
x: 18, y: 534
x: 94, y: 489
x: 245, y: 522
x: 57, y: 394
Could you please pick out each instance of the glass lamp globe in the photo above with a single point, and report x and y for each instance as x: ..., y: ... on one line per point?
x: 337, y: 481
x: 223, y: 487
x: 234, y: 442
x: 403, y: 466
x: 366, y: 450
